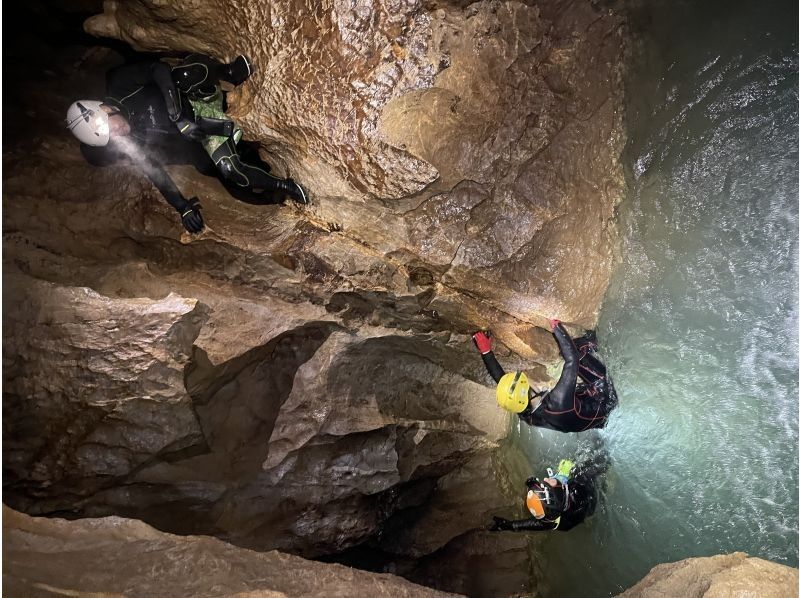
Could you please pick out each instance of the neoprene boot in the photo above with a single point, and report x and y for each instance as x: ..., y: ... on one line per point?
x: 238, y: 71
x: 293, y: 190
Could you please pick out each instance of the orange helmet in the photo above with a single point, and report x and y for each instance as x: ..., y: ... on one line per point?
x: 548, y: 500
x: 535, y: 504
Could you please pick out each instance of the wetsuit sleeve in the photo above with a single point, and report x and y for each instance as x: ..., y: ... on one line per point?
x: 532, y: 525
x: 161, y: 75
x: 563, y: 393
x: 493, y: 366
x: 162, y: 181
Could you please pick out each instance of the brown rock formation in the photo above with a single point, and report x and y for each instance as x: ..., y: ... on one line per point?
x: 724, y: 575
x: 303, y: 379
x: 123, y: 557
x: 476, y: 143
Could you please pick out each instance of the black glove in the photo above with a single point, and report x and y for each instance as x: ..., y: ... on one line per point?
x: 499, y: 525
x: 530, y: 482
x: 191, y: 218
x: 238, y: 71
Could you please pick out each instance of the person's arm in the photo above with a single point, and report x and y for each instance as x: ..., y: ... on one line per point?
x: 483, y: 341
x: 493, y: 366
x: 125, y: 81
x: 561, y: 396
x: 162, y: 181
x: 189, y: 210
x: 522, y: 525
x: 161, y: 74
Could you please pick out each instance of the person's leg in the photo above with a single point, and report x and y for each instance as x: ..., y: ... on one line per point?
x: 591, y: 369
x: 586, y: 343
x: 240, y: 173
x: 198, y: 75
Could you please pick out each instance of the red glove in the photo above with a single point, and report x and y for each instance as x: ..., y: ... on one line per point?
x: 554, y: 323
x: 483, y: 340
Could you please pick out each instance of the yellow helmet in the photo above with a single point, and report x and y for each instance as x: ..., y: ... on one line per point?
x: 512, y: 392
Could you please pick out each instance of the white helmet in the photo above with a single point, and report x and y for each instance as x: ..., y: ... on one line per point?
x: 88, y: 122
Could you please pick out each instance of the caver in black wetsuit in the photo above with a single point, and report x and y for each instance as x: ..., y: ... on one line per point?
x: 570, y: 406
x: 154, y: 99
x: 570, y: 504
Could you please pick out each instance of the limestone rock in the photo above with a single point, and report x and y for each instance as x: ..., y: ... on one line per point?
x: 727, y: 575
x: 110, y: 396
x: 302, y: 378
x: 122, y: 557
x: 478, y: 142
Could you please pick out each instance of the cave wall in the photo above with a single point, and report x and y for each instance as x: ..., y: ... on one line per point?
x: 113, y: 556
x: 735, y: 574
x: 303, y: 378
x: 138, y: 560
x: 478, y: 142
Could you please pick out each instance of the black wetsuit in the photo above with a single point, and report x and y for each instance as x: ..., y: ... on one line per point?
x: 580, y: 503
x: 142, y: 93
x: 570, y: 406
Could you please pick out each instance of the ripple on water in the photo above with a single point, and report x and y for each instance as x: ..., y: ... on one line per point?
x: 699, y: 326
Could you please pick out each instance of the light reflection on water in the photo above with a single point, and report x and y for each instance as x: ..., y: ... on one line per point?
x: 700, y: 323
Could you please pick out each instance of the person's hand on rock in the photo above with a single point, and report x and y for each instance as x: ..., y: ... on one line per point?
x: 483, y: 341
x: 191, y: 218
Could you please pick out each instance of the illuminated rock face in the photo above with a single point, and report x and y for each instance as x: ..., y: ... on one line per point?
x: 303, y: 378
x: 477, y: 142
x: 721, y: 575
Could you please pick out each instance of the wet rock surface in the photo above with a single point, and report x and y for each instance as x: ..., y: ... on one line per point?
x: 302, y: 378
x: 113, y: 556
x: 723, y: 575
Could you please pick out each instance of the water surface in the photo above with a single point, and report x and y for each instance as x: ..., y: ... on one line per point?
x: 699, y: 325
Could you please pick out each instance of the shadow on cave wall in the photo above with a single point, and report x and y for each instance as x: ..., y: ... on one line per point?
x: 237, y: 402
